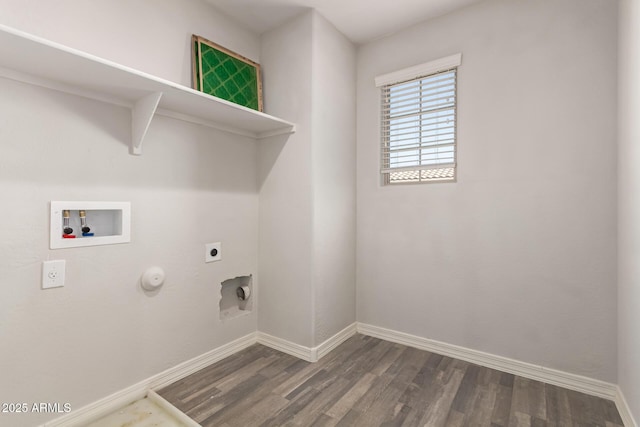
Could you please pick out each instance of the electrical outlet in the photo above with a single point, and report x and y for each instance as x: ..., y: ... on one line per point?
x: 53, y: 273
x: 213, y: 252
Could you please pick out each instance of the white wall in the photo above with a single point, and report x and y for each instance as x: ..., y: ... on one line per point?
x: 150, y: 36
x: 286, y: 188
x: 629, y: 206
x: 334, y: 179
x: 307, y: 194
x: 100, y: 333
x: 518, y: 258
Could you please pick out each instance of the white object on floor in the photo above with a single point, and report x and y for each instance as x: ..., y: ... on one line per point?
x: 141, y: 413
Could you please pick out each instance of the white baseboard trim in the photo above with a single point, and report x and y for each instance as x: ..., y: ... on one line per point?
x: 527, y: 370
x: 104, y: 406
x: 331, y: 343
x: 117, y: 400
x: 184, y: 369
x: 280, y: 344
x: 623, y: 408
x: 310, y: 354
x: 100, y: 408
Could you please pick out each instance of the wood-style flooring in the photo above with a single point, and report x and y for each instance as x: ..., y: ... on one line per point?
x: 370, y: 382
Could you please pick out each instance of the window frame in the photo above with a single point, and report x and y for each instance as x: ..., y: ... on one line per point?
x: 417, y: 74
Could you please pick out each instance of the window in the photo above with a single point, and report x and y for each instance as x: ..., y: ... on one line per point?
x: 418, y: 123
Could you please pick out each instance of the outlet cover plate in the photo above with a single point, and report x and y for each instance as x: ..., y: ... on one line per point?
x: 213, y: 252
x: 53, y: 273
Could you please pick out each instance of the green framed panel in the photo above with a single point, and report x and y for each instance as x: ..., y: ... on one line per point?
x: 222, y: 73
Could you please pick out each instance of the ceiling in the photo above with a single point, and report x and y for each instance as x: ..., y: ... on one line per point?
x: 360, y: 20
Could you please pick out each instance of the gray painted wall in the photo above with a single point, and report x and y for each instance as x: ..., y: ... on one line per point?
x: 629, y: 206
x: 518, y: 258
x: 307, y: 193
x: 100, y: 333
x: 334, y: 178
x: 286, y: 187
x: 150, y: 36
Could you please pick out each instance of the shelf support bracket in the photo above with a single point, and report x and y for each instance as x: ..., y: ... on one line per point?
x: 141, y: 115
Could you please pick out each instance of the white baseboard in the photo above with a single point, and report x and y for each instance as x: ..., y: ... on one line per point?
x: 331, y: 343
x: 527, y: 370
x: 623, y: 408
x: 310, y: 354
x: 280, y: 344
x: 100, y: 408
x: 184, y: 369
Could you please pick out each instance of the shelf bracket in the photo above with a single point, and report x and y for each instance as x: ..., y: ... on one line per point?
x: 141, y: 115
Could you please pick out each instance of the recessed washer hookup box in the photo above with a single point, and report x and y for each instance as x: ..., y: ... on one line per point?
x: 76, y: 224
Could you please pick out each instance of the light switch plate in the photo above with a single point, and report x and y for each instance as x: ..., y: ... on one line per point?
x: 53, y: 273
x: 213, y: 252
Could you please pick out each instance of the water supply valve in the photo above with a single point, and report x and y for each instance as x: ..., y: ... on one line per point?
x: 66, y: 229
x: 83, y: 224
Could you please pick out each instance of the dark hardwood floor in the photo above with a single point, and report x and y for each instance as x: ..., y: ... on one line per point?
x: 369, y: 382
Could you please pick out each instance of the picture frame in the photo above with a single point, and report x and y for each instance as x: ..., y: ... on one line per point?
x: 225, y: 74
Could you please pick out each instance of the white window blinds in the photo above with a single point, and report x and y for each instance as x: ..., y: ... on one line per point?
x: 418, y: 123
